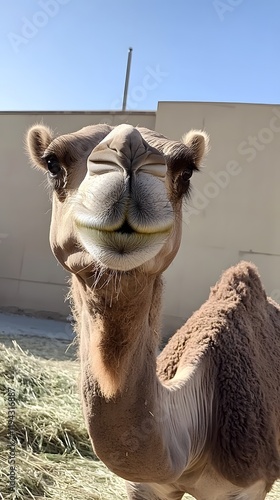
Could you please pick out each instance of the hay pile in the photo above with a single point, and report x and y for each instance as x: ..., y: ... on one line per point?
x: 53, y: 455
x: 54, y: 459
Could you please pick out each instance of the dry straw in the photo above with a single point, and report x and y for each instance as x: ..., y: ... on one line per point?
x: 53, y: 454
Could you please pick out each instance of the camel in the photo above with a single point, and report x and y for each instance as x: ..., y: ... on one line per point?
x: 203, y: 416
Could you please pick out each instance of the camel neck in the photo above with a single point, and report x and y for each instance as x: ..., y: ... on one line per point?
x: 119, y: 330
x: 123, y: 400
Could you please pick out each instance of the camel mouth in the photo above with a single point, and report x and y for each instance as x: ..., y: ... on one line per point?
x: 125, y: 229
x: 122, y: 249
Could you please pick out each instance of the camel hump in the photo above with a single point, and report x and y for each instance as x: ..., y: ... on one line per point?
x: 245, y: 365
x: 236, y: 336
x: 240, y: 282
x: 238, y: 287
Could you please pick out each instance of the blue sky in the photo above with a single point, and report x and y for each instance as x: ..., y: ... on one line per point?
x: 71, y: 54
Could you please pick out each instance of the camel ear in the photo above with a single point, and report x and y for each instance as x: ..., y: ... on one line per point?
x: 38, y: 138
x: 198, y: 142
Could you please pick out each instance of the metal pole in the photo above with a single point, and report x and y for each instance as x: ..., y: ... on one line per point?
x: 127, y: 78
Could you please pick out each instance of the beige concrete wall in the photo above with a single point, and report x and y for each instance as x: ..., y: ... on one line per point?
x: 29, y: 275
x: 235, y: 209
x: 233, y: 214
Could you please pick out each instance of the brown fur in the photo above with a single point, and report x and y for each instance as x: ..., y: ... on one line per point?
x: 237, y: 333
x: 207, y: 422
x: 117, y: 341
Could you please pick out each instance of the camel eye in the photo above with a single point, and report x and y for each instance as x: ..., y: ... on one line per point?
x: 53, y: 165
x: 186, y: 175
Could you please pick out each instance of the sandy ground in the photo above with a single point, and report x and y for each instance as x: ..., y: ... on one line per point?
x: 50, y: 339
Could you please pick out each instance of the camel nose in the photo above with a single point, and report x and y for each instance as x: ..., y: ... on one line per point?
x: 123, y: 148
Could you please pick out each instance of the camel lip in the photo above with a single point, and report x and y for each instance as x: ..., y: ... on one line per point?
x: 120, y: 250
x: 125, y: 230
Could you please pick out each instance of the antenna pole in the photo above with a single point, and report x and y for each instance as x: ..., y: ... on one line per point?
x: 127, y: 78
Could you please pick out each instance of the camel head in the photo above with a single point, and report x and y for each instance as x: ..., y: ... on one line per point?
x: 117, y: 194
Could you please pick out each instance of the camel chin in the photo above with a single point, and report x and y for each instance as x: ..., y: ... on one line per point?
x: 121, y: 251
